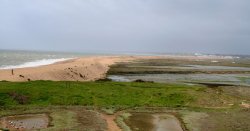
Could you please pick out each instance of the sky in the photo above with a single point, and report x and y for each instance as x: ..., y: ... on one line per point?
x: 163, y: 26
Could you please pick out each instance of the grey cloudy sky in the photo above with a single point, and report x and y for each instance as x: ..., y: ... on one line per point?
x: 206, y: 26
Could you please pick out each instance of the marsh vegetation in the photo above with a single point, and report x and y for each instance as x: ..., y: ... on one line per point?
x: 153, y: 95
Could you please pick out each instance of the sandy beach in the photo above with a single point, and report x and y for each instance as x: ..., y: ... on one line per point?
x: 80, y: 69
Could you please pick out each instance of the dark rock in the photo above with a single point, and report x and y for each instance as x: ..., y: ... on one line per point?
x: 104, y: 79
x: 141, y: 81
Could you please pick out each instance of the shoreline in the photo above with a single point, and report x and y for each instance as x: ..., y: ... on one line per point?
x: 88, y: 68
x: 78, y: 69
x: 35, y: 63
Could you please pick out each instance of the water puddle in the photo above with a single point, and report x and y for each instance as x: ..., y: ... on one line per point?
x: 25, y: 122
x: 166, y: 122
x: 154, y: 122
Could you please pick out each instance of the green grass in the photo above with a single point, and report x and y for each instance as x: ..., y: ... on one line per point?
x: 120, y: 121
x: 67, y: 103
x: 99, y: 94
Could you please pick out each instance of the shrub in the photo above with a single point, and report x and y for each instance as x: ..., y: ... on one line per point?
x: 21, y: 99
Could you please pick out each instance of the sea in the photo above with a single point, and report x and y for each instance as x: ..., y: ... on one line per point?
x: 11, y: 59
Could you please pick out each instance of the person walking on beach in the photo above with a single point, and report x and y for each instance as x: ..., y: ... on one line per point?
x: 12, y: 71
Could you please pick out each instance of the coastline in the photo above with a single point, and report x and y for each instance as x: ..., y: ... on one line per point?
x: 87, y: 68
x: 78, y: 69
x: 35, y: 63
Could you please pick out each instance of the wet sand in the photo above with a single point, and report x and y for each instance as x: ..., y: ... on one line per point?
x: 110, y: 119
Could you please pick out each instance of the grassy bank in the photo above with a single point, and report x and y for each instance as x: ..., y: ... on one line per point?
x: 114, y: 94
x: 100, y: 94
x: 69, y: 103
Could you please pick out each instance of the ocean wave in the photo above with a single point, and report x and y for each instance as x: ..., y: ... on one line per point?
x: 218, y: 56
x: 35, y: 63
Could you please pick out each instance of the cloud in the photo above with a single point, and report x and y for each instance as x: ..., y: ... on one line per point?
x: 209, y: 26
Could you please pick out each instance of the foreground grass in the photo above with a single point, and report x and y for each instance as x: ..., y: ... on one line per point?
x: 62, y: 118
x: 99, y: 94
x: 70, y: 104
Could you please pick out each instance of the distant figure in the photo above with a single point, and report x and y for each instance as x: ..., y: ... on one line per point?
x: 12, y: 72
x: 21, y: 76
